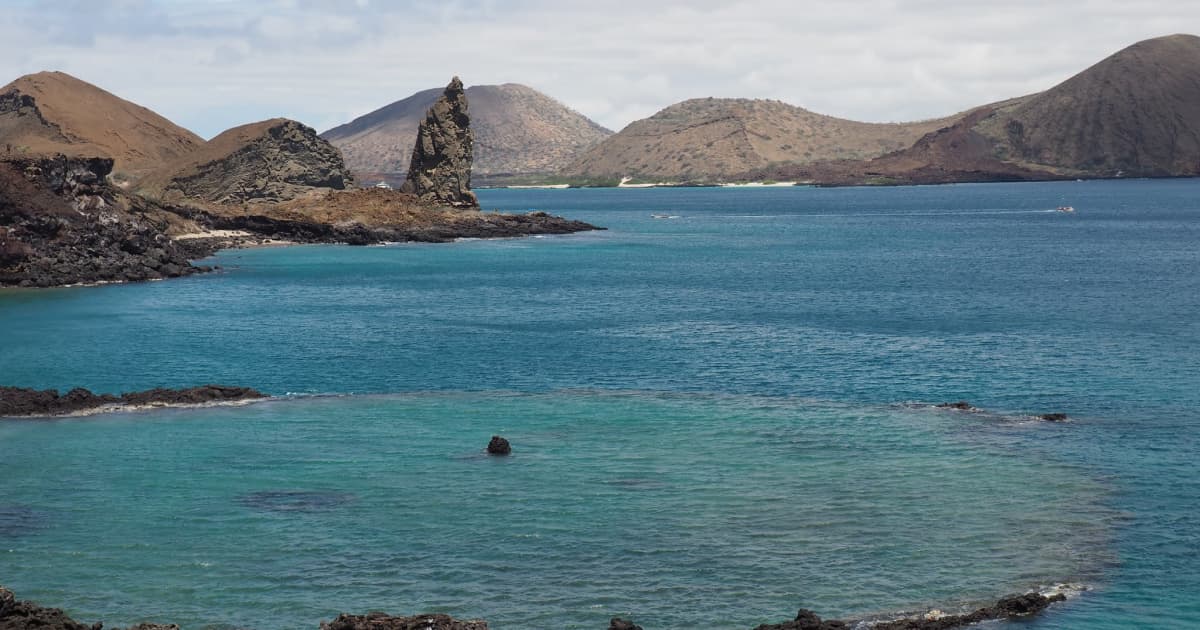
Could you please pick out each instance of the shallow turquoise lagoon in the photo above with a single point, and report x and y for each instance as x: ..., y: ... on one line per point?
x: 716, y: 419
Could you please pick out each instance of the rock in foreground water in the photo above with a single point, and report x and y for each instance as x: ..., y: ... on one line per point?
x: 499, y: 446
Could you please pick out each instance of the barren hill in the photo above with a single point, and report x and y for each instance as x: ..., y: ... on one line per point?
x: 1135, y: 113
x: 53, y: 112
x: 271, y: 160
x: 714, y: 138
x: 518, y: 131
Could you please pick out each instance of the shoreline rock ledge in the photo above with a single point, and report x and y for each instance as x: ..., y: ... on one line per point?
x: 19, y: 402
x: 18, y: 615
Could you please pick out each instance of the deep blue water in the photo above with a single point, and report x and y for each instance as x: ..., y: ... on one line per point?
x: 714, y: 417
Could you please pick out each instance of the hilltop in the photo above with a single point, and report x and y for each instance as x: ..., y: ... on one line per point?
x: 1137, y: 112
x: 52, y: 112
x: 518, y: 132
x: 1134, y: 114
x: 714, y: 138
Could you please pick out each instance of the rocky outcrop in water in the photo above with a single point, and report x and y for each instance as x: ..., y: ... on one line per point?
x: 61, y: 223
x: 618, y: 623
x: 23, y: 615
x: 1011, y: 607
x: 382, y: 621
x: 498, y: 446
x: 440, y: 170
x: 22, y: 402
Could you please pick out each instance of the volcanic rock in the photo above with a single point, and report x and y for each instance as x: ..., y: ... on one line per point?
x: 498, y: 446
x: 61, y: 222
x: 382, y: 621
x: 961, y: 405
x: 272, y: 160
x: 24, y: 615
x: 19, y: 402
x: 1054, y: 417
x: 1011, y: 607
x: 621, y: 624
x: 440, y: 170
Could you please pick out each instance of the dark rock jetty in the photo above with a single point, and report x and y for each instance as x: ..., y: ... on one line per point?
x: 19, y: 615
x: 1011, y: 607
x: 382, y: 621
x: 22, y: 402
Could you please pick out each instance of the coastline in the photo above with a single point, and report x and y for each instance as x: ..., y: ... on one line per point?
x: 17, y: 614
x: 26, y: 403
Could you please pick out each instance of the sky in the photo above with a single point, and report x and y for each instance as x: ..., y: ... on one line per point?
x: 213, y: 64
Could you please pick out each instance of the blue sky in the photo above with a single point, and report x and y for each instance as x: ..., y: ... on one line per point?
x: 210, y: 65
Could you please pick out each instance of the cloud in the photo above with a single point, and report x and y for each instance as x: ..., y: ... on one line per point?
x: 210, y: 65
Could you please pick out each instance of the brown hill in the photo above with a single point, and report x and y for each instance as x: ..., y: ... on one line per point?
x: 716, y: 138
x: 1135, y: 113
x: 518, y: 131
x: 272, y: 160
x: 52, y: 112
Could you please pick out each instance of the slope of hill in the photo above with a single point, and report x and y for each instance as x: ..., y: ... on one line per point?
x: 518, y: 131
x: 715, y: 138
x: 1135, y: 113
x: 271, y: 160
x: 52, y: 112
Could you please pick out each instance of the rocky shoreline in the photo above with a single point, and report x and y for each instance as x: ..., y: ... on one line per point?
x: 18, y: 402
x: 21, y: 615
x: 63, y: 224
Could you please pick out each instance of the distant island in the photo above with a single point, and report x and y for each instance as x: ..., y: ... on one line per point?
x: 96, y: 189
x: 1134, y: 114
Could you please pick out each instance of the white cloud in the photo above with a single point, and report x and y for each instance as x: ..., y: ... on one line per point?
x: 212, y: 65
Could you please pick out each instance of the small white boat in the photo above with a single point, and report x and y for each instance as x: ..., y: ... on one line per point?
x: 1065, y: 209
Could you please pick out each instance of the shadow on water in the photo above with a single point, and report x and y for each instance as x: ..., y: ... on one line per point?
x: 21, y: 520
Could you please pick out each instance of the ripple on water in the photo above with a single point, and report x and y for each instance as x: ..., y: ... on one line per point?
x: 21, y: 520
x: 683, y: 511
x: 296, y: 500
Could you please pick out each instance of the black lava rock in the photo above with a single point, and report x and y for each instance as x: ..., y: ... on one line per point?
x: 499, y: 446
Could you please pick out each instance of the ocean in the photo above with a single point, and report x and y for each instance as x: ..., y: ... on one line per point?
x: 716, y: 418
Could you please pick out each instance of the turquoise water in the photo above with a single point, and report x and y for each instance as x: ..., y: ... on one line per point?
x: 716, y: 419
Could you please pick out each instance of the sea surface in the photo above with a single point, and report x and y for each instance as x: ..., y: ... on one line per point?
x: 717, y: 418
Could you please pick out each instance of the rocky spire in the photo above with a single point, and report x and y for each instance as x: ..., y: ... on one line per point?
x: 440, y: 171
